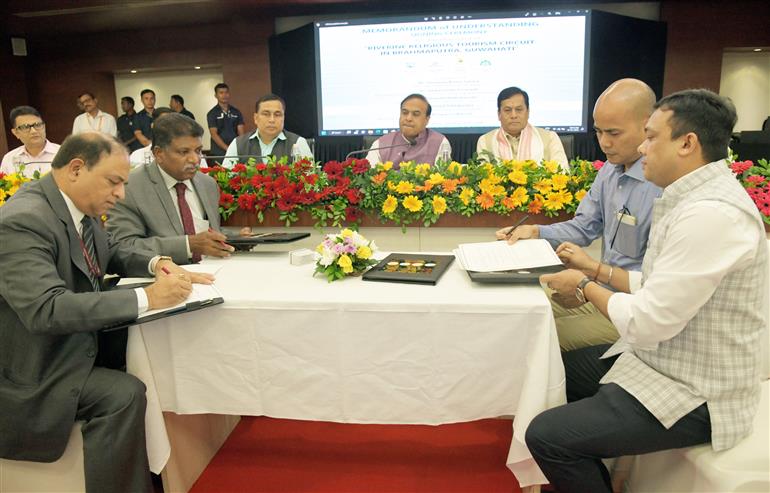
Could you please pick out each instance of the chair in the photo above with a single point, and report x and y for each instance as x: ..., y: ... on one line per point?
x: 63, y: 476
x: 568, y: 142
x: 743, y: 468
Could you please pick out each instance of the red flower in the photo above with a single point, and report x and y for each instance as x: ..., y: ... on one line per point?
x: 740, y: 167
x: 202, y: 170
x: 246, y: 201
x: 311, y: 179
x: 286, y: 203
x: 598, y: 165
x: 239, y: 168
x: 360, y: 166
x: 755, y: 179
x: 353, y: 214
x: 260, y: 166
x: 333, y: 169
x: 235, y: 183
x: 226, y: 199
x: 353, y: 195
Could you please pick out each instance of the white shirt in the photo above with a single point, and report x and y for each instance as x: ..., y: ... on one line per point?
x: 196, y: 208
x: 265, y: 149
x: 20, y: 155
x: 684, y: 278
x: 142, y: 302
x: 102, y: 122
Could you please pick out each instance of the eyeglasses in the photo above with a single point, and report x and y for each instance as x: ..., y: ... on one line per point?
x: 29, y: 126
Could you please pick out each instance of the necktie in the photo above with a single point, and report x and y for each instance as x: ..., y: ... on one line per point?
x: 186, y: 213
x: 89, y: 252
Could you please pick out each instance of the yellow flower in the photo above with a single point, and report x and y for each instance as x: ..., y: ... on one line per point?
x: 387, y: 165
x: 391, y: 185
x: 580, y: 194
x: 439, y: 205
x: 412, y: 203
x: 466, y: 195
x: 455, y: 168
x: 517, y: 165
x: 559, y: 181
x: 543, y: 186
x: 553, y: 201
x: 404, y: 187
x: 405, y: 165
x: 551, y: 166
x: 488, y: 187
x: 565, y: 196
x: 2, y: 195
x: 346, y: 233
x: 422, y: 169
x: 389, y: 205
x: 529, y: 163
x: 13, y: 190
x: 518, y: 177
x: 320, y: 248
x: 436, y: 179
x: 364, y: 252
x: 519, y: 197
x: 346, y: 264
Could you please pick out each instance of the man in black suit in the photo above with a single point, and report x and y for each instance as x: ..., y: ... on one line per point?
x: 53, y: 254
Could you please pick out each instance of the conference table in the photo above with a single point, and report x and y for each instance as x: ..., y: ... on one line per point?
x: 287, y: 344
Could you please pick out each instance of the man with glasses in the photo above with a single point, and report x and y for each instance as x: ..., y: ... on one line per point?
x: 170, y: 207
x: 617, y: 208
x: 93, y: 118
x: 36, y: 152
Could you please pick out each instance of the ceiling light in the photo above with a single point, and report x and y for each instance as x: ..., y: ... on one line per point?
x: 133, y: 71
x: 197, y: 68
x: 757, y: 49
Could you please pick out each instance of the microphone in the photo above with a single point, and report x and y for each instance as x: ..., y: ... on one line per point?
x: 361, y: 151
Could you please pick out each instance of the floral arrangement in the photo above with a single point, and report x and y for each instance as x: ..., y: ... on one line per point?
x: 755, y: 178
x: 338, y: 193
x: 10, y: 183
x: 344, y: 254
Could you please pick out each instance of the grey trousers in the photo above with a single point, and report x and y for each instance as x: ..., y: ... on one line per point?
x: 112, y: 405
x: 569, y: 441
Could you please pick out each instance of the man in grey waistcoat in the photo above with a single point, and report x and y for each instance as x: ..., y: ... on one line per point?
x: 270, y: 138
x: 686, y: 368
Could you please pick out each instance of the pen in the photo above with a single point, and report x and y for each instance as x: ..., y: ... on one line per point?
x: 519, y: 223
x: 224, y: 245
x: 165, y: 271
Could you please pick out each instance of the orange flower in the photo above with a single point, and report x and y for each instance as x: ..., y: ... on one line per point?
x: 463, y: 180
x: 450, y: 185
x: 485, y: 200
x: 379, y: 178
x: 536, y: 206
x: 428, y: 186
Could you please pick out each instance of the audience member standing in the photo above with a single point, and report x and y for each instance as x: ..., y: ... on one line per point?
x: 36, y: 152
x: 225, y: 121
x: 177, y: 104
x: 93, y: 118
x: 126, y: 124
x: 143, y: 119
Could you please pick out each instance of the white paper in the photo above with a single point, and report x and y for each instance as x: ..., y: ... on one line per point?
x: 200, y: 292
x: 493, y: 256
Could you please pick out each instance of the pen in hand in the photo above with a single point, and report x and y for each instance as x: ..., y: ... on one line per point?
x: 513, y: 228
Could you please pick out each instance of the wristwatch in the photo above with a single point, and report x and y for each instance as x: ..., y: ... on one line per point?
x: 579, y: 289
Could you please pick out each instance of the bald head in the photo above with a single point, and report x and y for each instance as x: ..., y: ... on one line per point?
x: 630, y: 95
x: 619, y: 118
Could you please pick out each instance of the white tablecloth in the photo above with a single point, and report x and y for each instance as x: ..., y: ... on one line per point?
x: 289, y: 345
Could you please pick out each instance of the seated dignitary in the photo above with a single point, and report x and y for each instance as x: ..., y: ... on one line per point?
x: 143, y: 155
x: 686, y: 368
x: 413, y: 141
x: 35, y: 151
x: 617, y: 208
x: 517, y: 138
x: 53, y: 256
x: 170, y: 207
x: 270, y: 138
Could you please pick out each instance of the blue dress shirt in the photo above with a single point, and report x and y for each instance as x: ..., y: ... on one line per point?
x: 615, y: 191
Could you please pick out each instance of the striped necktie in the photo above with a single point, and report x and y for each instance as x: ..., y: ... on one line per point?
x: 89, y: 252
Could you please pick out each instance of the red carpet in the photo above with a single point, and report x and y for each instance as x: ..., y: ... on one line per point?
x: 280, y: 455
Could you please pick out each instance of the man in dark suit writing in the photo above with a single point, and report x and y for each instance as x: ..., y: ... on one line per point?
x: 170, y: 207
x: 53, y: 255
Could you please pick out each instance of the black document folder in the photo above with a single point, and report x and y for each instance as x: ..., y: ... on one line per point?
x: 517, y: 276
x: 246, y: 242
x: 413, y: 268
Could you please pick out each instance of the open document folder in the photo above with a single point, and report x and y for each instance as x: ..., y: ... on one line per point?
x: 499, y: 262
x: 202, y: 295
